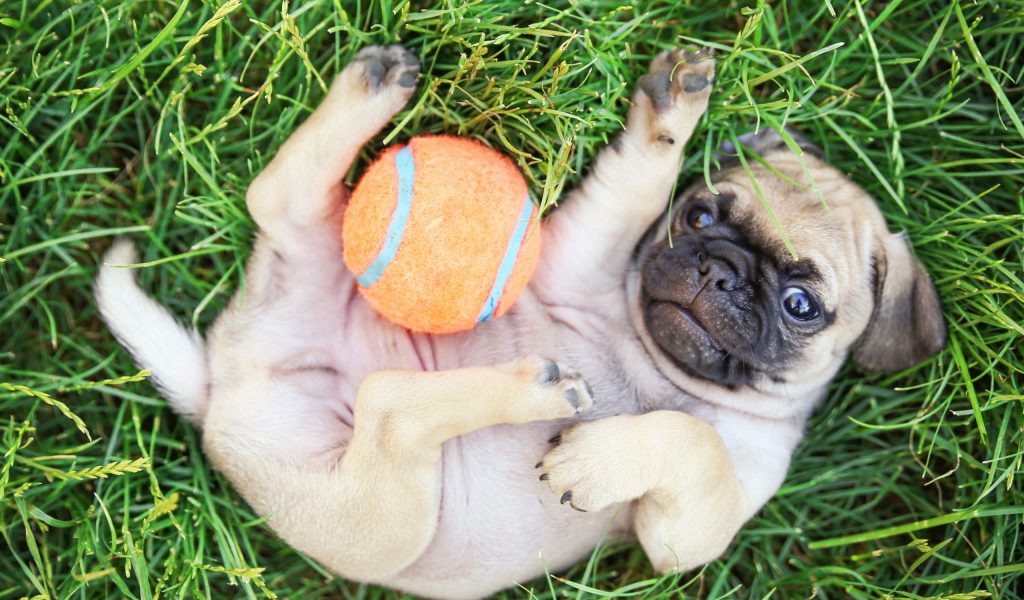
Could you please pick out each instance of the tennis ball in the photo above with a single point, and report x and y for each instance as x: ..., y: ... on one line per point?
x: 441, y: 234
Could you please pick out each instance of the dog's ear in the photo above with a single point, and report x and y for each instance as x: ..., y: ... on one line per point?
x: 762, y: 142
x: 906, y: 326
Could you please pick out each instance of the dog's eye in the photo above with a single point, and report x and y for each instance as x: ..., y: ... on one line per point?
x: 699, y: 217
x: 799, y: 304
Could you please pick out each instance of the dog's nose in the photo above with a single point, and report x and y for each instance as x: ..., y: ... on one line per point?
x: 721, y: 274
x: 726, y: 264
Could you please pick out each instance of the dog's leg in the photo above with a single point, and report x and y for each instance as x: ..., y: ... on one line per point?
x: 297, y: 199
x: 630, y: 183
x: 371, y: 509
x: 689, y: 501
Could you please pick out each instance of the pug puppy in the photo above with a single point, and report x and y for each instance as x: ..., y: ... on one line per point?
x: 660, y: 367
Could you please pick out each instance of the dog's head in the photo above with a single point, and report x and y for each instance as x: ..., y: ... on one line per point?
x: 733, y: 317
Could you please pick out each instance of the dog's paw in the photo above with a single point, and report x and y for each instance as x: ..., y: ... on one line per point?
x: 385, y: 67
x: 675, y: 92
x: 594, y: 465
x: 385, y: 76
x: 678, y: 78
x: 552, y: 391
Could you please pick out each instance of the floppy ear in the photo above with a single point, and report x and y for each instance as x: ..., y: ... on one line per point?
x: 907, y: 325
x: 765, y: 141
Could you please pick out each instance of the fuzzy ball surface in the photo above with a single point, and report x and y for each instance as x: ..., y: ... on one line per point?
x: 441, y: 234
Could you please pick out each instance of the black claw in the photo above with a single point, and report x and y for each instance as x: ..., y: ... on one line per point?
x: 551, y: 372
x: 703, y: 53
x: 543, y: 476
x: 538, y: 465
x: 572, y: 397
x: 566, y: 497
x: 556, y: 440
x: 574, y: 507
x: 666, y: 139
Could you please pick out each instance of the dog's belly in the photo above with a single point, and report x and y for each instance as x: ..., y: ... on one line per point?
x: 498, y: 522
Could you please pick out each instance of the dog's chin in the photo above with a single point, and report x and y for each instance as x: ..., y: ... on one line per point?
x: 679, y: 334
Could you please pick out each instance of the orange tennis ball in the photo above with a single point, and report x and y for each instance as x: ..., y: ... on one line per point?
x: 441, y: 234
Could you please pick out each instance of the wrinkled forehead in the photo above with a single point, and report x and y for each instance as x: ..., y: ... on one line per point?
x: 812, y: 204
x: 811, y: 209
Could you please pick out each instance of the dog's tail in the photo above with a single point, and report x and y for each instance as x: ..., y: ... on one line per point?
x: 173, y: 353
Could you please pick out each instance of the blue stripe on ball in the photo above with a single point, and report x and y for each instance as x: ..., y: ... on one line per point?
x: 396, y: 228
x: 508, y: 262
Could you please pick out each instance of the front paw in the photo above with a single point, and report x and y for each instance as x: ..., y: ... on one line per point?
x: 540, y: 389
x: 383, y: 75
x: 386, y: 67
x: 596, y: 464
x: 674, y: 93
x: 680, y: 79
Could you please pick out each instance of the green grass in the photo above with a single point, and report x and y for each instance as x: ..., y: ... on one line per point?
x: 151, y: 117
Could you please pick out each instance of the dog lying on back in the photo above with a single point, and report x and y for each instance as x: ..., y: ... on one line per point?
x: 660, y: 371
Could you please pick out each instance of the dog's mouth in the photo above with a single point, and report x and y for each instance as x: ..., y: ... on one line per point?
x: 680, y: 333
x: 679, y: 317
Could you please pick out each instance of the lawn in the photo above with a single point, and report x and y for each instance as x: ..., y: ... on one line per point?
x: 149, y: 118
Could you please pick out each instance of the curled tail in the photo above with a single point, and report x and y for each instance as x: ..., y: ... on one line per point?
x: 156, y: 340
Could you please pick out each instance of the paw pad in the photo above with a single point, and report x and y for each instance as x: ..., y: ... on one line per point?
x: 385, y: 66
x: 694, y: 83
x: 677, y: 78
x: 573, y: 388
x: 550, y: 373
